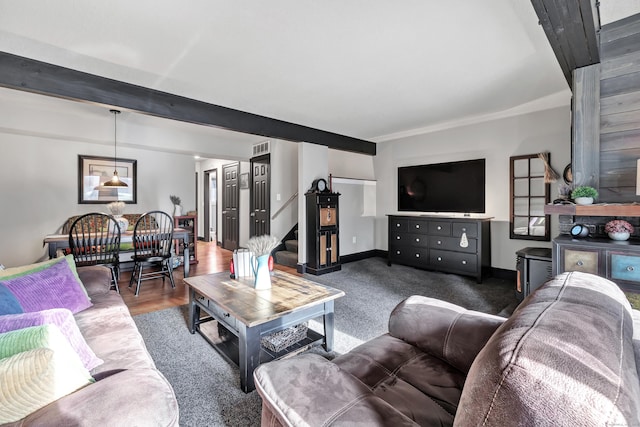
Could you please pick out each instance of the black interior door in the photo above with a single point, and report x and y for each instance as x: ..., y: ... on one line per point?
x: 260, y: 196
x: 230, y: 202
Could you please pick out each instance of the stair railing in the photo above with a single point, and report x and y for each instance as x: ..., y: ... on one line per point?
x: 287, y: 203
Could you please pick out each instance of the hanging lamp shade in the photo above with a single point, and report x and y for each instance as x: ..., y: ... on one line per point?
x: 115, y: 181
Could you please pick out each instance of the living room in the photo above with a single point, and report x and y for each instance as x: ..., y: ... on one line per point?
x: 42, y: 136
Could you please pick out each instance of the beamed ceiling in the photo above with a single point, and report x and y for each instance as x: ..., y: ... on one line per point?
x: 341, y: 74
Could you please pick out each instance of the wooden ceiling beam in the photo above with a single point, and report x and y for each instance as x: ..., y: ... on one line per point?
x: 34, y: 76
x: 572, y: 28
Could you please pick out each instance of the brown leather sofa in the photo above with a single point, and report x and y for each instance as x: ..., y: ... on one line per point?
x: 568, y: 356
x: 129, y: 390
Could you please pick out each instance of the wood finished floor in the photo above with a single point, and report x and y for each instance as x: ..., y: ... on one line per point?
x: 156, y: 296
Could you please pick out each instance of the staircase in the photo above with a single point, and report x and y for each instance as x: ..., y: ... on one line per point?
x: 288, y: 256
x: 619, y: 109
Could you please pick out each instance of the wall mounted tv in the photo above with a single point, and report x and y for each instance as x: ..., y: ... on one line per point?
x: 443, y: 187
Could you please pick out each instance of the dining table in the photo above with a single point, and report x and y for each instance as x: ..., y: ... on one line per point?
x: 61, y: 241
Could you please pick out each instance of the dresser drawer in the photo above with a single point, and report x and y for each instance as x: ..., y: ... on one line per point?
x: 409, y: 255
x: 471, y: 230
x: 409, y: 239
x: 452, y: 244
x: 624, y: 267
x: 439, y: 228
x: 398, y: 225
x: 585, y: 261
x: 457, y: 261
x: 221, y: 316
x: 418, y: 226
x: 328, y: 200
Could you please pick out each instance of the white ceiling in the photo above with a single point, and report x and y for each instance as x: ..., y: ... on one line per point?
x: 371, y: 69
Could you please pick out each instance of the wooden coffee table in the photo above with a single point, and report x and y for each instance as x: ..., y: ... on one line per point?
x: 247, y: 315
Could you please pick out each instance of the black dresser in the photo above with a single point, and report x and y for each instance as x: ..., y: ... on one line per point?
x: 450, y: 244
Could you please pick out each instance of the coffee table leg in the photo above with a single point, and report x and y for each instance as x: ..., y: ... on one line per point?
x: 249, y: 357
x: 328, y: 325
x: 194, y: 311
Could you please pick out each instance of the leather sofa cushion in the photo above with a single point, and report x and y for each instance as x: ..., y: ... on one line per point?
x: 564, y: 358
x: 417, y: 384
x: 444, y: 330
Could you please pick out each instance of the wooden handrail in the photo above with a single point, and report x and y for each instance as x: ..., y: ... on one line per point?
x: 287, y: 203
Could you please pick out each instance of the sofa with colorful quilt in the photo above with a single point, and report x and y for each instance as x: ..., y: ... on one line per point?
x: 71, y: 354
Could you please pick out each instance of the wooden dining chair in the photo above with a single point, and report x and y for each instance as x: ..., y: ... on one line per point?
x: 94, y: 239
x: 152, y: 242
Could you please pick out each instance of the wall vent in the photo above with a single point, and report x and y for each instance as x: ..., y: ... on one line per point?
x: 261, y: 148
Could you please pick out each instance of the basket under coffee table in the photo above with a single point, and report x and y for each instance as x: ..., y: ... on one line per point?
x: 246, y: 315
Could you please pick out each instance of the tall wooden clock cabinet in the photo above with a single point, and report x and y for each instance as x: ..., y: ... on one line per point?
x: 323, y: 250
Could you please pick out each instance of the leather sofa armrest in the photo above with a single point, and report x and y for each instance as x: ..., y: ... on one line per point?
x: 447, y: 331
x: 96, y: 279
x: 310, y: 390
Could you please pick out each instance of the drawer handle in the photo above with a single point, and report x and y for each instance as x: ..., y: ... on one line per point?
x: 417, y: 255
x: 630, y: 268
x: 439, y: 258
x: 397, y: 252
x: 397, y: 237
x: 580, y: 263
x: 417, y: 239
x: 464, y: 229
x: 397, y: 224
x: 439, y: 242
x: 439, y: 228
x: 464, y: 262
x: 417, y: 225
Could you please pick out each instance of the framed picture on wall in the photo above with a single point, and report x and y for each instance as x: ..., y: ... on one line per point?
x: 94, y: 171
x: 244, y: 180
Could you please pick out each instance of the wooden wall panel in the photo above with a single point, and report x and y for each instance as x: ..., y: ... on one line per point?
x: 586, y: 126
x: 616, y: 67
x: 620, y: 110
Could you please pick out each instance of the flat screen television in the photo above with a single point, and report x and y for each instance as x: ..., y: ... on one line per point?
x: 443, y: 187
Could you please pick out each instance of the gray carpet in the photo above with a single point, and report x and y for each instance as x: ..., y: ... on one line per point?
x: 207, y: 386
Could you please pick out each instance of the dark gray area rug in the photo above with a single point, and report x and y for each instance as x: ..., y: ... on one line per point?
x: 207, y: 385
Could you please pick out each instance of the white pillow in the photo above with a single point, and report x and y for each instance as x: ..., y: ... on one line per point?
x: 34, y: 378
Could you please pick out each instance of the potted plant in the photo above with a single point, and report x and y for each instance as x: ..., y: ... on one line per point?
x: 618, y: 229
x: 177, y: 208
x: 584, y: 195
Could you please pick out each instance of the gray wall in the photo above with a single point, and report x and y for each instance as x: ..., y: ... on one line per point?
x: 496, y: 141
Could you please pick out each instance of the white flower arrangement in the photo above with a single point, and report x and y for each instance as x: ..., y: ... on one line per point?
x: 262, y: 245
x: 116, y: 208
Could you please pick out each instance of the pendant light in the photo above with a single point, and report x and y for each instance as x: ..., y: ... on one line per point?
x: 115, y: 181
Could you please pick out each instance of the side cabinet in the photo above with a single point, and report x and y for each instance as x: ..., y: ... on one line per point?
x: 190, y: 223
x: 454, y: 245
x: 323, y: 247
x: 617, y: 261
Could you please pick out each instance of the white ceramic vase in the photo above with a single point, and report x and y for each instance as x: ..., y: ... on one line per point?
x: 621, y: 235
x: 177, y: 210
x: 122, y: 222
x: 584, y: 200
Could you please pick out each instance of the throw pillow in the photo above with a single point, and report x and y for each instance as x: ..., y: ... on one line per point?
x: 13, y: 272
x: 53, y: 287
x: 65, y: 322
x: 8, y: 302
x: 35, y: 378
x: 10, y: 273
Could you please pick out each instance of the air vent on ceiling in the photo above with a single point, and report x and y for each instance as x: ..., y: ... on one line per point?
x: 261, y: 148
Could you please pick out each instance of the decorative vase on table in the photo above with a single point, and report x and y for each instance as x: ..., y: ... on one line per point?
x: 122, y: 222
x: 260, y: 267
x: 177, y: 210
